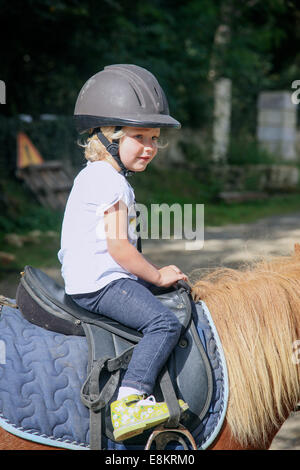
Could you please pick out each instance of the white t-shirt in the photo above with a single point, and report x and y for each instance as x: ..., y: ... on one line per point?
x: 86, y: 264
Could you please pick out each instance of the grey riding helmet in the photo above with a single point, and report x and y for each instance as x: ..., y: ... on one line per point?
x: 122, y: 95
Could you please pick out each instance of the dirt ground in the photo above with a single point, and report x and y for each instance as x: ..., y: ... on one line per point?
x: 227, y: 246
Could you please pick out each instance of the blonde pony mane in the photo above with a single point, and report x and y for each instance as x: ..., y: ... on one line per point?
x: 257, y: 314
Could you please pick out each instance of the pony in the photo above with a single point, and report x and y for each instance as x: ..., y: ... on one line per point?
x: 256, y: 310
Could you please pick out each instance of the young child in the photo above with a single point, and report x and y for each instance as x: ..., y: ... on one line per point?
x: 123, y: 108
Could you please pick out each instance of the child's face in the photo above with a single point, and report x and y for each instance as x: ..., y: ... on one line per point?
x: 138, y: 147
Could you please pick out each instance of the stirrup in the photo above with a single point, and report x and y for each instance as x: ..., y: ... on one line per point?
x: 162, y: 436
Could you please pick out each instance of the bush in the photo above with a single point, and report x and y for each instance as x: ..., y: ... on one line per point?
x: 246, y: 151
x: 21, y: 212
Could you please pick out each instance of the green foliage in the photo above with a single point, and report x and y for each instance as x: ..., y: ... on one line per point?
x: 247, y: 212
x: 20, y: 212
x: 246, y: 151
x: 59, y: 44
x: 41, y: 252
x: 173, y: 185
x: 51, y: 47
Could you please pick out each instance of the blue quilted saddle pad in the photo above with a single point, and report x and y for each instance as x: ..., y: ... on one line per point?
x: 42, y: 372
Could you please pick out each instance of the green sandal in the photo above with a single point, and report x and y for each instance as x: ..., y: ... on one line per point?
x: 134, y: 414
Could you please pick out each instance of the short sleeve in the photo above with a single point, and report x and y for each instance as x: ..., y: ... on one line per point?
x: 105, y: 187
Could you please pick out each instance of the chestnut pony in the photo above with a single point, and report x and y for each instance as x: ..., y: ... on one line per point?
x: 256, y: 310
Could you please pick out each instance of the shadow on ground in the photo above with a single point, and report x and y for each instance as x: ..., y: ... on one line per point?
x: 230, y: 246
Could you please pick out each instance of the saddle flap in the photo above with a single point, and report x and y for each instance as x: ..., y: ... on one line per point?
x: 178, y: 300
x: 44, y: 302
x: 190, y: 376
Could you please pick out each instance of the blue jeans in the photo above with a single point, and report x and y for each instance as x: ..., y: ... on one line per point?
x: 133, y: 304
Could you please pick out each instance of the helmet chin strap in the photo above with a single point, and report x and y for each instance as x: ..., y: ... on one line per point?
x: 113, y: 149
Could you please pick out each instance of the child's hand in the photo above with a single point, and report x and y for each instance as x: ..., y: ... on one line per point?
x: 169, y: 275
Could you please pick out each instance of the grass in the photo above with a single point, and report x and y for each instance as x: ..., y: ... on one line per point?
x: 40, y: 251
x: 247, y: 212
x: 35, y: 230
x: 155, y: 186
x: 173, y: 186
x: 183, y: 187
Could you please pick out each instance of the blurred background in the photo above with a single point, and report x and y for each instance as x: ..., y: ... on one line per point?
x: 231, y: 72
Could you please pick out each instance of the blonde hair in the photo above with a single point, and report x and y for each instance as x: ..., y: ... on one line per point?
x: 94, y: 150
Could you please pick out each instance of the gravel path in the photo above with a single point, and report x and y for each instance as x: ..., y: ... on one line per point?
x: 223, y: 246
x: 232, y: 246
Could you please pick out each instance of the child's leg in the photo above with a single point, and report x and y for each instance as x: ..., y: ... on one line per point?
x: 133, y: 305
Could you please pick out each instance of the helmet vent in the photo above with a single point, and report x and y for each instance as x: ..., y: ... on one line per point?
x: 122, y: 95
x: 138, y: 98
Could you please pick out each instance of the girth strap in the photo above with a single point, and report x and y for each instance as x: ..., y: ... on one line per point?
x: 91, y: 395
x: 170, y: 398
x: 43, y: 302
x: 90, y: 391
x: 96, y: 400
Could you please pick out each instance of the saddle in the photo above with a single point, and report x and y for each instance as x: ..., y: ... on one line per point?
x: 187, y: 374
